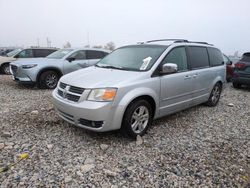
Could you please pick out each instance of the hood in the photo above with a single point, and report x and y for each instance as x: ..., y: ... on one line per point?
x: 4, y: 59
x: 95, y: 77
x: 29, y: 61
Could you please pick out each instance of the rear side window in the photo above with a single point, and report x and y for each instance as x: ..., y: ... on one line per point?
x: 215, y: 56
x: 42, y: 52
x: 198, y: 57
x: 177, y: 56
x: 91, y: 54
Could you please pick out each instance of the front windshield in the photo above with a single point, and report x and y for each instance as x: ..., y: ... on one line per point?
x: 59, y: 54
x: 13, y: 53
x: 135, y: 58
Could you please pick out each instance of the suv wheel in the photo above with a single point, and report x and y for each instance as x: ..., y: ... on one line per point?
x: 215, y: 95
x: 137, y: 118
x: 48, y: 80
x: 236, y: 85
x: 6, y: 68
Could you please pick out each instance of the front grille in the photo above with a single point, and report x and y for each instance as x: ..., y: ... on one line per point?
x: 88, y: 123
x: 71, y: 93
x: 13, y: 68
x: 72, y: 97
x: 62, y: 85
x: 74, y: 89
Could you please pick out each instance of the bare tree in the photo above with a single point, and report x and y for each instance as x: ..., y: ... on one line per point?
x: 110, y: 46
x: 67, y: 45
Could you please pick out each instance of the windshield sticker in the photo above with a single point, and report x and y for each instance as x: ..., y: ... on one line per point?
x: 145, y: 63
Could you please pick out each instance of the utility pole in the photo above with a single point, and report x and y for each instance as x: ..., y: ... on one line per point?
x: 38, y: 42
x: 48, y: 42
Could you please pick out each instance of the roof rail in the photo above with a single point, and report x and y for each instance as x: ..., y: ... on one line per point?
x: 175, y: 41
x: 200, y: 42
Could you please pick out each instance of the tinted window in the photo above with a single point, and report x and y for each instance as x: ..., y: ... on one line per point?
x: 25, y: 54
x: 177, y: 56
x: 215, y: 56
x: 42, y: 52
x: 91, y: 54
x: 79, y: 55
x: 246, y: 57
x: 198, y: 57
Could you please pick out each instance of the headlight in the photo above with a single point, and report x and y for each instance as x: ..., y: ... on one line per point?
x: 107, y: 94
x: 28, y: 66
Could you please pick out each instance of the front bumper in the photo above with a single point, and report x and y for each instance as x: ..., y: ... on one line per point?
x: 23, y: 75
x: 93, y: 113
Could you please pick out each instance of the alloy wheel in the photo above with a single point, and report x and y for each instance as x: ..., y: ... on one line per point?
x: 139, y: 119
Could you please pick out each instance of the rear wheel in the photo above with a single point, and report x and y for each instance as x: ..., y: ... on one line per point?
x: 48, y: 80
x: 215, y: 95
x: 6, y: 68
x: 137, y: 118
x: 236, y: 85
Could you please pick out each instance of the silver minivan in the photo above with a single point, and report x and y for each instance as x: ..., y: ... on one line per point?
x: 138, y: 83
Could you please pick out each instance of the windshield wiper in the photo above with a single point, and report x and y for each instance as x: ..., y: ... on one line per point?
x: 110, y: 67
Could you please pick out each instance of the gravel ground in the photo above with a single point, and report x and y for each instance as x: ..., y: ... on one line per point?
x: 199, y: 147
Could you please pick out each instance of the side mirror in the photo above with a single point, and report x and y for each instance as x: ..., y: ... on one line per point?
x: 169, y: 68
x: 16, y: 56
x: 70, y: 59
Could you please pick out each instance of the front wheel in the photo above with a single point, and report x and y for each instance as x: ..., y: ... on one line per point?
x: 137, y: 118
x: 6, y: 69
x: 48, y: 80
x: 214, y: 95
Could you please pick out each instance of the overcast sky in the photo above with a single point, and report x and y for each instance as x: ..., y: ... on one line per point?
x: 224, y: 23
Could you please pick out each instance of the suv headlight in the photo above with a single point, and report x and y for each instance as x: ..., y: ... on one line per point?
x: 106, y: 94
x: 28, y: 66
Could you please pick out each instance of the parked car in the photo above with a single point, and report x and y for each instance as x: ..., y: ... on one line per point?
x: 241, y: 74
x: 23, y: 54
x: 45, y: 72
x: 4, y: 52
x: 138, y: 83
x: 230, y: 68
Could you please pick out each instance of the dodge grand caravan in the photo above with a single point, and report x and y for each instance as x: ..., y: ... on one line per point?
x: 138, y: 83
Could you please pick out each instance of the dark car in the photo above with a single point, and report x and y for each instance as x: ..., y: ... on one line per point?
x: 230, y: 68
x: 241, y: 74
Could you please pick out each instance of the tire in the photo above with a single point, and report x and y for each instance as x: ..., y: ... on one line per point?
x: 137, y: 118
x: 236, y: 85
x: 214, y: 95
x: 6, y: 69
x: 48, y: 80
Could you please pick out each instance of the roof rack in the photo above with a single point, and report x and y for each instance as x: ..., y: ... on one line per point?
x: 175, y: 41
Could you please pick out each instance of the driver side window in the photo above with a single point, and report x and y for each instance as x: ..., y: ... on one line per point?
x: 80, y: 55
x: 25, y: 54
x: 177, y: 56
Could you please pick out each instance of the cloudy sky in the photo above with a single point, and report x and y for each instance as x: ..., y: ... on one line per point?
x: 224, y: 23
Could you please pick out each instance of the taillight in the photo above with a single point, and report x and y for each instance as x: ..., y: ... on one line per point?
x: 240, y: 65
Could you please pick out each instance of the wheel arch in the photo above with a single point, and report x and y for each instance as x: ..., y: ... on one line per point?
x: 58, y: 71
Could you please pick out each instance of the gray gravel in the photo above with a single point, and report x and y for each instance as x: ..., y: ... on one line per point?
x: 198, y: 147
